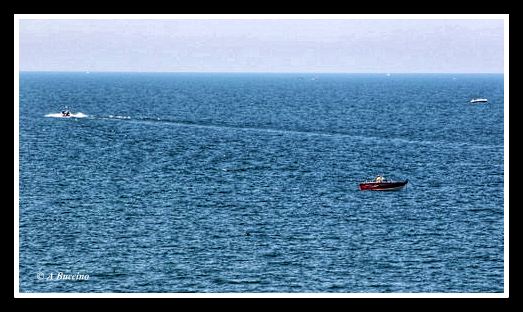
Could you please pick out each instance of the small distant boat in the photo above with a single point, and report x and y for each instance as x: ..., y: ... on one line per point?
x: 478, y: 100
x: 67, y: 114
x: 381, y: 184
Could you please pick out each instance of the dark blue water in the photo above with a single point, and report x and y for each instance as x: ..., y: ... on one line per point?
x: 249, y: 183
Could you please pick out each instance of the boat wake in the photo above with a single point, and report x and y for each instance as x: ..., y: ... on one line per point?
x: 119, y: 117
x: 364, y: 139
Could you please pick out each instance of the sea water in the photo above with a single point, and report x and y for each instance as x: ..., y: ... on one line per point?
x: 200, y: 182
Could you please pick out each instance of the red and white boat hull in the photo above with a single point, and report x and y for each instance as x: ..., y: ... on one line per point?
x: 383, y: 186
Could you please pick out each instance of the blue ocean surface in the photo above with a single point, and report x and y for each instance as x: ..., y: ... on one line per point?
x: 248, y: 183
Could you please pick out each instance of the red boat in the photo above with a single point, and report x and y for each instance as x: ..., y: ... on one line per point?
x: 382, y: 185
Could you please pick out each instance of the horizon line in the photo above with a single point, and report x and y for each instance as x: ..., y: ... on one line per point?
x: 247, y: 72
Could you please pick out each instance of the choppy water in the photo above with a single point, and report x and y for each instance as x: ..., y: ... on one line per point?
x: 249, y: 183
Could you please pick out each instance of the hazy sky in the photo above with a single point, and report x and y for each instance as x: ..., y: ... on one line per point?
x: 263, y: 45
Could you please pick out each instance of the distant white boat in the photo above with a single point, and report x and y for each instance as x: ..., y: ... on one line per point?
x: 67, y: 114
x: 478, y: 100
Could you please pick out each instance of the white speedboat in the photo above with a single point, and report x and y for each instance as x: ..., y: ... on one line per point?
x: 67, y: 114
x: 478, y: 100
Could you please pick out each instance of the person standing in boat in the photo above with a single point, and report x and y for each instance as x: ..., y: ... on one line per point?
x: 379, y: 179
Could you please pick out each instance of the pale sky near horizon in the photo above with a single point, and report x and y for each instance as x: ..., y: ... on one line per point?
x: 263, y: 45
